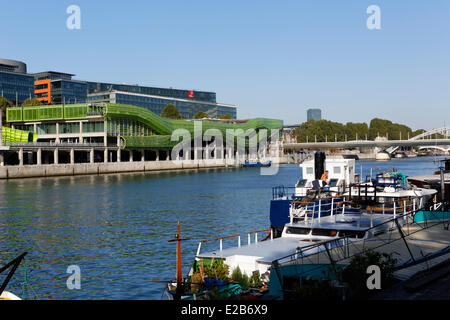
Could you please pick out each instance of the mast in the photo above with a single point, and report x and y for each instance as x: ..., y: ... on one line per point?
x: 178, y: 239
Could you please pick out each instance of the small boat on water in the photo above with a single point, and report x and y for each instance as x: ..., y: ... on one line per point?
x: 382, y: 156
x: 256, y: 164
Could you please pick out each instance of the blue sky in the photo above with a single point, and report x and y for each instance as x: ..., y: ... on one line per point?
x: 271, y: 58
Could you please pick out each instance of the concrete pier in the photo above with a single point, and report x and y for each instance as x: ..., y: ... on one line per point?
x: 71, y: 169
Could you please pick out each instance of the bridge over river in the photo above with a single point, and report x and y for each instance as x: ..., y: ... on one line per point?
x: 423, y: 140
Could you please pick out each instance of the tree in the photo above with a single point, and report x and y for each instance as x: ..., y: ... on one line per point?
x: 171, y: 112
x: 225, y: 116
x: 324, y: 129
x: 31, y: 102
x: 355, y: 274
x: 3, y: 105
x: 201, y: 115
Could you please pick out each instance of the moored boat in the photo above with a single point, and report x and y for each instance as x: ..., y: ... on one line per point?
x: 256, y: 164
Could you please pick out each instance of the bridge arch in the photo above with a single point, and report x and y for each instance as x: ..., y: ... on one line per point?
x: 442, y: 131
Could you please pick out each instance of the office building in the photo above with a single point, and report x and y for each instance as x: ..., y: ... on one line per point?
x: 59, y: 88
x: 314, y: 114
x: 188, y: 102
x: 15, y: 84
x: 54, y: 88
x: 188, y: 108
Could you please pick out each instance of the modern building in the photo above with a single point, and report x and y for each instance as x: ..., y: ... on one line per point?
x: 188, y: 108
x: 188, y: 102
x: 15, y: 84
x: 114, y: 132
x: 53, y: 87
x: 314, y: 114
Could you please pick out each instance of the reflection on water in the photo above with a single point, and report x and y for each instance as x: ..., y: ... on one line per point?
x: 116, y: 227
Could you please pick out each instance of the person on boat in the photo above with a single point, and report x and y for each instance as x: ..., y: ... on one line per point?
x: 324, y: 177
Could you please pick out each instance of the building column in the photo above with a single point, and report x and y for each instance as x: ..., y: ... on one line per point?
x: 195, y: 153
x: 118, y: 155
x: 142, y: 155
x: 131, y: 156
x: 72, y: 156
x: 91, y: 156
x: 207, y: 152
x: 2, y: 159
x: 55, y: 156
x: 157, y: 155
x: 168, y: 155
x: 105, y: 155
x: 57, y: 133
x: 20, y: 157
x: 39, y: 156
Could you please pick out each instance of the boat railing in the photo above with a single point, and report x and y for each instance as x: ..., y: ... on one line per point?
x: 238, y: 236
x: 332, y: 252
x: 310, y: 208
x: 322, y: 209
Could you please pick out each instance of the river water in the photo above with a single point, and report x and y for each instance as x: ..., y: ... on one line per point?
x: 115, y: 227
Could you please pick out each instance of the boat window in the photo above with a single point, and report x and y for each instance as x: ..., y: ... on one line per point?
x: 337, y: 170
x: 352, y: 234
x: 301, y: 182
x: 291, y: 230
x: 309, y: 170
x: 324, y: 232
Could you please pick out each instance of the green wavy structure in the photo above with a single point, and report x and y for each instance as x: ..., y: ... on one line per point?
x: 14, y: 135
x: 162, y: 127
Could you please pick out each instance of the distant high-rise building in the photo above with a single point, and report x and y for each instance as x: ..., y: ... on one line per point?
x: 314, y: 114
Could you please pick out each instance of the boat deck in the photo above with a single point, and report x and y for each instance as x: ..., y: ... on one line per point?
x: 263, y: 252
x: 270, y: 250
x: 421, y: 242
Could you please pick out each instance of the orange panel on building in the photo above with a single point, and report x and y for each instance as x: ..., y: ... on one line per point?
x: 45, y: 90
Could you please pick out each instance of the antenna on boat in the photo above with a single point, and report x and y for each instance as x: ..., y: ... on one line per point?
x: 178, y: 239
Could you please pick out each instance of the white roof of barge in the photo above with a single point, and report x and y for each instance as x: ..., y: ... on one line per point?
x: 270, y: 250
x: 265, y: 251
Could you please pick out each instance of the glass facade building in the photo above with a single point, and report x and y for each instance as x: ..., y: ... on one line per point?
x: 16, y: 86
x: 54, y: 88
x: 188, y: 108
x: 58, y: 88
x: 68, y: 91
x: 96, y: 87
x: 314, y: 114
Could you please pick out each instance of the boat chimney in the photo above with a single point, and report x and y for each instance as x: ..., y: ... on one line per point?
x: 319, y: 164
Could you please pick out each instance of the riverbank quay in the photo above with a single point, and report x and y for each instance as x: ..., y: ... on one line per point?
x: 55, y: 170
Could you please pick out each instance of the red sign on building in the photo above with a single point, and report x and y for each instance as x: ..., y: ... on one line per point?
x: 190, y: 94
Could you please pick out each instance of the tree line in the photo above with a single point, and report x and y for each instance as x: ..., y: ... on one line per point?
x: 171, y: 112
x: 325, y: 130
